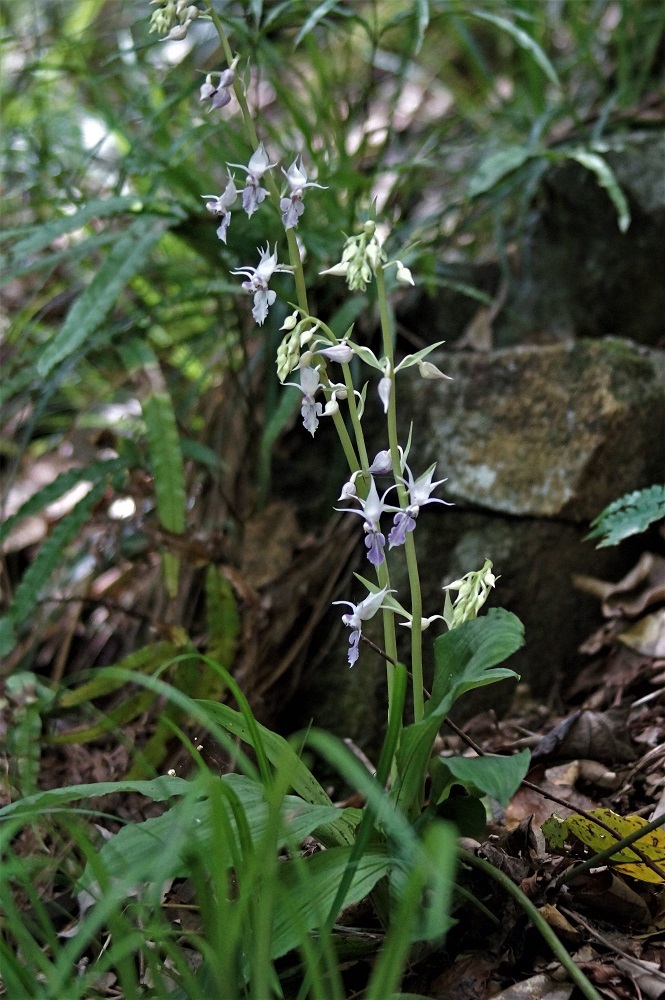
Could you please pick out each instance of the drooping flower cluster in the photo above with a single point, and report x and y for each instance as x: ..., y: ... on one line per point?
x: 473, y: 589
x: 361, y: 256
x: 174, y: 17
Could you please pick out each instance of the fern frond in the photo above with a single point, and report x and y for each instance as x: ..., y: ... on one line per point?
x: 90, y: 309
x: 94, y: 472
x: 629, y: 515
x: 47, y: 559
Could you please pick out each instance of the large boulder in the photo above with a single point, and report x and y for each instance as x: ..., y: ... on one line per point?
x: 556, y: 431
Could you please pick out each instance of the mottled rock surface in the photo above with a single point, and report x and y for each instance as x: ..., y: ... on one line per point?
x: 543, y: 431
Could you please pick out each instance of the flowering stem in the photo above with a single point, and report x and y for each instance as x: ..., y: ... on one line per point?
x: 294, y: 252
x: 355, y: 419
x: 389, y: 636
x: 409, y: 545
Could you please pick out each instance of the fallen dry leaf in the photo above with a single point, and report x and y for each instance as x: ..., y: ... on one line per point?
x: 541, y: 987
x: 647, y: 635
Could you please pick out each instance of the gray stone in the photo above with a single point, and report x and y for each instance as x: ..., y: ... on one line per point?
x: 544, y: 431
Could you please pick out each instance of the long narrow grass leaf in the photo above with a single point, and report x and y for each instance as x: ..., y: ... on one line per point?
x: 522, y: 39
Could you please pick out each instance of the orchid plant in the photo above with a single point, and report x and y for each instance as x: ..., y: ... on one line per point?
x: 319, y: 364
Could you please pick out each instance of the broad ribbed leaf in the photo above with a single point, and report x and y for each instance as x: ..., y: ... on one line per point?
x: 141, y: 847
x: 309, y: 890
x: 465, y: 658
x: 92, y: 306
x: 281, y: 754
x: 498, y: 777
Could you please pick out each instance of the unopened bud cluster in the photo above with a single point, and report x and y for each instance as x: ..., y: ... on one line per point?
x: 298, y: 334
x: 472, y: 591
x: 174, y: 17
x: 361, y: 257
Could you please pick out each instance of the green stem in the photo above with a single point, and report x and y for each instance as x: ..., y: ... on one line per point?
x: 355, y: 419
x: 410, y: 549
x: 541, y: 925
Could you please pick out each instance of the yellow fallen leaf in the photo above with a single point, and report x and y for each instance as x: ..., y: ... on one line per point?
x: 626, y: 861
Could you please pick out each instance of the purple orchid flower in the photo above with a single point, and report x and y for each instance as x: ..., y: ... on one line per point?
x: 292, y: 207
x: 360, y: 613
x: 371, y: 509
x: 220, y: 205
x: 257, y: 282
x: 253, y: 194
x: 419, y: 495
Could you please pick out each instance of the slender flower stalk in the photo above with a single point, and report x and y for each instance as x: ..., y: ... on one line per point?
x: 409, y: 544
x: 294, y: 253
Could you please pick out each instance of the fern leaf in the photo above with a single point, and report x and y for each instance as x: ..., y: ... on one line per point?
x: 165, y: 450
x: 94, y: 472
x: 92, y: 306
x: 37, y: 575
x: 629, y: 515
x: 98, y: 208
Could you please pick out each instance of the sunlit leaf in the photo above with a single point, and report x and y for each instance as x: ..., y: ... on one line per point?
x: 626, y: 861
x: 524, y: 40
x: 607, y: 179
x: 465, y: 658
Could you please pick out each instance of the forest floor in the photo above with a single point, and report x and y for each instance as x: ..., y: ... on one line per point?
x: 603, y: 748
